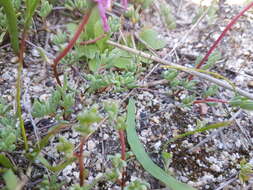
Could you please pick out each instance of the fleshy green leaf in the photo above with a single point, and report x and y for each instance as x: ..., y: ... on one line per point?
x: 10, y: 180
x: 150, y: 36
x: 142, y: 156
x: 241, y: 102
x: 5, y: 162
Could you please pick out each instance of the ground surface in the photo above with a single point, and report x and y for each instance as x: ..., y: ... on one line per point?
x: 206, y: 160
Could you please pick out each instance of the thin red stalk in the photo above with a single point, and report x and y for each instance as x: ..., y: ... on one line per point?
x: 81, y: 164
x: 207, y: 100
x: 123, y: 154
x: 228, y: 27
x: 94, y: 40
x: 22, y: 47
x: 70, y: 45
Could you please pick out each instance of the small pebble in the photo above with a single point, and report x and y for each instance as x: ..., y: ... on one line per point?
x: 250, y: 84
x: 91, y: 145
x: 14, y: 59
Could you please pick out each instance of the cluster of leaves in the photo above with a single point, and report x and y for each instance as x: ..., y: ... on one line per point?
x: 178, y: 83
x: 134, y: 10
x: 9, y: 132
x: 211, y: 12
x: 59, y: 104
x: 50, y: 183
x: 119, y: 82
x: 167, y: 15
x: 118, y: 67
x: 246, y: 171
x: 241, y: 102
x: 76, y: 5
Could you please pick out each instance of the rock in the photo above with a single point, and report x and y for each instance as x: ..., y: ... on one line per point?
x: 91, y: 145
x: 35, y: 53
x: 250, y: 84
x: 14, y: 59
x: 215, y: 168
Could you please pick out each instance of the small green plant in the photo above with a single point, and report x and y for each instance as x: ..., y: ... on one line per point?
x: 137, y: 185
x: 45, y: 9
x: 242, y: 102
x: 167, y: 15
x: 112, y: 108
x: 246, y: 171
x: 50, y: 183
x: 9, y: 132
x: 211, y: 12
x: 74, y: 5
x: 118, y: 82
x: 85, y: 127
x: 59, y: 104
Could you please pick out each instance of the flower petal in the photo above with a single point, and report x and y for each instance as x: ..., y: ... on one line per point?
x: 102, y: 10
x: 124, y: 3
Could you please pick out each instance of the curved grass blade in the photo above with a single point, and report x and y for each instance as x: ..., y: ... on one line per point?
x: 5, y: 162
x: 143, y: 157
x: 12, y: 23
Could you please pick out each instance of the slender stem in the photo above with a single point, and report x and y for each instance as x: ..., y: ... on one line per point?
x: 18, y: 86
x: 70, y: 45
x: 123, y: 154
x: 228, y: 27
x: 207, y: 100
x: 81, y: 164
x: 94, y: 40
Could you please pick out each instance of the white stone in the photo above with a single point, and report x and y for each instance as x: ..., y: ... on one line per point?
x: 157, y: 145
x: 215, y: 168
x: 91, y: 145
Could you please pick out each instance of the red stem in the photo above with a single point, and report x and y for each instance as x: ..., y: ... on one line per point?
x: 94, y: 40
x: 123, y: 154
x: 207, y: 100
x: 22, y: 47
x: 81, y: 163
x: 228, y: 27
x: 70, y: 45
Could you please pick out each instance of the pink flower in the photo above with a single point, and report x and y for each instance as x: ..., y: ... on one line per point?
x: 124, y: 3
x: 102, y: 6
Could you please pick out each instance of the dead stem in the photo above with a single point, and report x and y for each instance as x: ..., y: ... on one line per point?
x: 209, y: 78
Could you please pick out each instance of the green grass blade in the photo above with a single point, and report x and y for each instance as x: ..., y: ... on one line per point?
x: 58, y: 167
x: 143, y: 157
x: 31, y: 6
x: 5, y: 162
x: 12, y: 23
x: 202, y: 129
x: 198, y: 130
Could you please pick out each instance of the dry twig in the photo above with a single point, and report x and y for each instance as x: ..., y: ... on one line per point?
x: 185, y: 69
